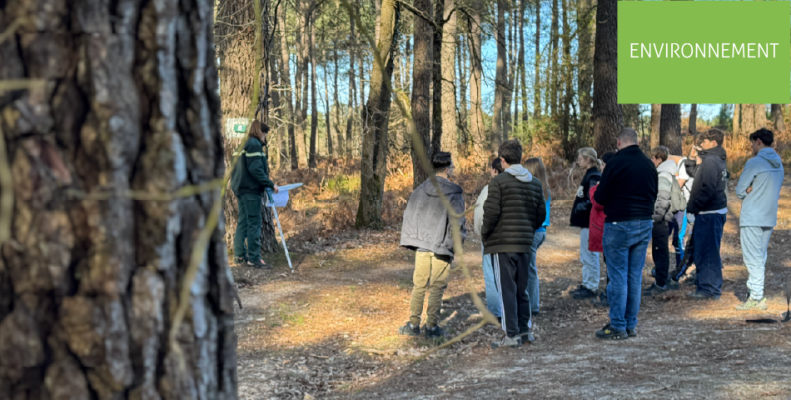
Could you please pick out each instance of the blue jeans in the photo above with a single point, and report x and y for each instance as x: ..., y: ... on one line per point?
x: 755, y: 240
x: 625, y: 245
x: 532, y: 272
x: 248, y: 227
x: 492, y: 297
x: 707, y: 237
x: 678, y: 228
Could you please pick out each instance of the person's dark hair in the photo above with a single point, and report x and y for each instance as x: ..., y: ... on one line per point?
x: 441, y: 161
x: 765, y: 135
x: 712, y: 134
x: 607, y: 157
x: 497, y: 165
x: 257, y: 130
x: 628, y: 135
x: 536, y: 166
x: 511, y: 151
x: 660, y: 152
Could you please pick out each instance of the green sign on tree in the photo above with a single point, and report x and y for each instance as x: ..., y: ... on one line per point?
x: 240, y: 128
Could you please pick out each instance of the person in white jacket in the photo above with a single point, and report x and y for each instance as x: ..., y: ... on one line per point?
x: 492, y: 298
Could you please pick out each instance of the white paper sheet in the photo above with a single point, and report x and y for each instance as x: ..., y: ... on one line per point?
x: 281, y: 198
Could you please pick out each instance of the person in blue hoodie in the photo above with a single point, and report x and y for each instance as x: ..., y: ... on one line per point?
x: 759, y: 188
x: 249, y: 182
x: 536, y: 166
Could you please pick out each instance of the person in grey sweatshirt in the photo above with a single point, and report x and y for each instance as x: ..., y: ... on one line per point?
x: 663, y: 214
x: 759, y: 188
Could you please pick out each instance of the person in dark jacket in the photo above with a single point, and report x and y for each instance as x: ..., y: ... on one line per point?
x: 513, y: 211
x: 580, y: 217
x: 427, y: 230
x: 627, y: 190
x: 249, y: 182
x: 708, y: 206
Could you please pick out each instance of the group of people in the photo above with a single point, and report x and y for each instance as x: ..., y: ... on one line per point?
x: 625, y: 201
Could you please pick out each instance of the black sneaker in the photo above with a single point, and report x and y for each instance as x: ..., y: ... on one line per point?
x: 631, y: 332
x: 512, y: 342
x: 435, y: 332
x: 609, y: 333
x: 409, y: 330
x: 240, y: 261
x: 702, y: 296
x: 601, y: 301
x: 654, y: 290
x: 672, y: 284
x: 583, y: 293
x: 527, y: 336
x: 260, y: 264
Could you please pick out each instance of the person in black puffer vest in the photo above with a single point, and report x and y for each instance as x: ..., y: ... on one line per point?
x: 249, y: 182
x: 513, y: 210
x: 580, y: 217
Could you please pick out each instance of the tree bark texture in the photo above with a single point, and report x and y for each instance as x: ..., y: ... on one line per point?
x: 89, y: 286
x: 436, y: 77
x: 314, y: 110
x: 656, y: 115
x: 327, y: 109
x: 237, y: 72
x: 521, y: 63
x: 585, y: 67
x: 336, y: 100
x: 449, y: 108
x: 554, y: 87
x: 737, y: 119
x: 499, y: 80
x: 670, y: 128
x: 478, y: 130
x: 421, y: 86
x: 777, y: 119
x: 607, y: 117
x: 464, y: 129
x: 288, y: 90
x: 352, y: 90
x: 537, y: 73
x: 693, y: 119
x: 374, y: 136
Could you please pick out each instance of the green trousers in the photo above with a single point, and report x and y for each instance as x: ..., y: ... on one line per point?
x: 431, y: 273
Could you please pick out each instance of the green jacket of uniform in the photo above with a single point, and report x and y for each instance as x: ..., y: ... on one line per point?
x: 251, y: 173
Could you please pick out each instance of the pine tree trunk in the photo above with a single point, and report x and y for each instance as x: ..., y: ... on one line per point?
x: 760, y: 117
x: 285, y: 81
x: 282, y: 135
x: 300, y: 89
x: 521, y: 63
x: 537, y: 73
x: 585, y: 68
x: 421, y: 86
x: 670, y: 128
x: 336, y: 101
x: 508, y: 80
x: 737, y: 119
x: 607, y: 117
x: 88, y: 286
x: 374, y: 138
x: 352, y: 90
x: 656, y: 116
x: 450, y: 131
x: 478, y: 130
x: 568, y: 74
x: 327, y: 124
x: 464, y: 129
x: 314, y: 111
x: 499, y: 79
x: 554, y: 38
x: 748, y: 119
x: 777, y: 119
x: 693, y: 119
x: 436, y: 78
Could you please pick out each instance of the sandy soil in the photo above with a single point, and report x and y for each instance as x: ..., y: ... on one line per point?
x: 330, y: 330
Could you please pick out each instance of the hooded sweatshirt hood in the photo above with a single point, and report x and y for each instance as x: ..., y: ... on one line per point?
x: 448, y: 188
x: 520, y: 173
x: 717, y: 151
x: 770, y: 155
x: 668, y: 166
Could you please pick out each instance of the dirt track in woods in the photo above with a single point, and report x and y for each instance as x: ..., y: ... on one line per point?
x: 330, y: 330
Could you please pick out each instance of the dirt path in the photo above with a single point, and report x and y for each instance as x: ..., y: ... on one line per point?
x: 329, y: 330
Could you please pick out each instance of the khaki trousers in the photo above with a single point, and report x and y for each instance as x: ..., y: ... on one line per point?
x: 431, y: 273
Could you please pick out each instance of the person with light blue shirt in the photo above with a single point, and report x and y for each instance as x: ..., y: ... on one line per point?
x: 492, y: 297
x: 536, y: 166
x: 759, y: 188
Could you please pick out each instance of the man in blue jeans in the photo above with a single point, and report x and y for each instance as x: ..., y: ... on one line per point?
x: 707, y: 208
x: 628, y: 191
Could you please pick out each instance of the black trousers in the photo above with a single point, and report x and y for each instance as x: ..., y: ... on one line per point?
x: 510, y: 275
x: 660, y: 252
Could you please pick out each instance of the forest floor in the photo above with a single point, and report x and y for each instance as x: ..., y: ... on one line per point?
x: 330, y: 329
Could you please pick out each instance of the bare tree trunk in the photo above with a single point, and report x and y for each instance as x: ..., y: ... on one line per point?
x: 656, y: 115
x: 737, y: 119
x: 478, y: 130
x: 568, y: 74
x: 450, y: 131
x: 508, y: 79
x: 421, y: 85
x: 436, y: 77
x: 499, y: 79
x: 90, y: 280
x: 607, y: 117
x: 285, y: 81
x: 670, y: 128
x: 777, y: 119
x: 336, y: 100
x: 300, y: 86
x: 314, y: 111
x: 521, y: 63
x: 327, y: 124
x: 760, y: 116
x: 693, y: 119
x: 375, y: 145
x: 463, y: 126
x: 352, y: 90
x: 554, y: 67
x: 748, y: 118
x: 585, y: 68
x: 537, y: 73
x: 277, y: 80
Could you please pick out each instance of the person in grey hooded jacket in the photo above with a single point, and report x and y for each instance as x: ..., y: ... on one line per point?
x: 427, y: 229
x: 666, y: 170
x: 759, y: 187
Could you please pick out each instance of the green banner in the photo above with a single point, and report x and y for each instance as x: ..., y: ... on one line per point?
x: 704, y: 52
